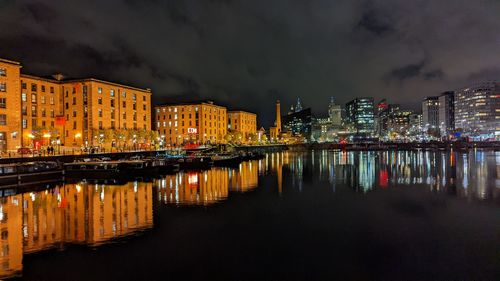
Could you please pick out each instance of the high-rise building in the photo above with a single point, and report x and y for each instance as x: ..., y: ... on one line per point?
x: 199, y: 122
x: 360, y: 115
x: 243, y: 122
x: 477, y: 110
x: 335, y: 114
x: 298, y: 124
x: 37, y: 111
x: 447, y: 113
x: 430, y: 112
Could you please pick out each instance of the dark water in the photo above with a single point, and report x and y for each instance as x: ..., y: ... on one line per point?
x: 293, y: 216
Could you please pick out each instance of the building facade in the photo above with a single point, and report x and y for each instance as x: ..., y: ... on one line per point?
x: 244, y: 123
x: 335, y: 114
x: 41, y: 111
x: 477, y: 110
x: 298, y: 124
x: 360, y: 115
x: 447, y: 113
x: 201, y: 123
x: 430, y: 112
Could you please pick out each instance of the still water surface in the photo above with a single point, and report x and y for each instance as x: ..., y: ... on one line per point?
x: 291, y: 216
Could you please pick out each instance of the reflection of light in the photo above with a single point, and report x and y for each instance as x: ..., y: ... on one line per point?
x: 193, y: 178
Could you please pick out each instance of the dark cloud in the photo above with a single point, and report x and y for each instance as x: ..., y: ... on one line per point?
x: 246, y: 54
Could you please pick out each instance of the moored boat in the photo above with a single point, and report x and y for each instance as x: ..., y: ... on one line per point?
x: 30, y: 172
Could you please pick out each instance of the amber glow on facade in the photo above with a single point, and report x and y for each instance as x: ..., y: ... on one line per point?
x: 245, y: 123
x: 37, y: 111
x: 191, y: 123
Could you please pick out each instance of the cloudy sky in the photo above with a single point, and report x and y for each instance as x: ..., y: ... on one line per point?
x: 247, y: 54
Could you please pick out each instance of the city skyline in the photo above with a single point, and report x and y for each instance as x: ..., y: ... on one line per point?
x: 235, y: 52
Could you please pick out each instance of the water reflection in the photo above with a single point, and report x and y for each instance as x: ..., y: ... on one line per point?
x: 74, y: 213
x: 207, y: 187
x: 93, y: 214
x: 474, y: 175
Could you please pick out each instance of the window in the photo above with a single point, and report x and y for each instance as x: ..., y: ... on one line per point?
x: 24, y: 97
x: 74, y: 90
x: 113, y: 103
x: 23, y: 85
x: 100, y: 112
x: 43, y: 112
x: 99, y: 90
x: 143, y: 107
x: 135, y: 116
x: 74, y: 100
x: 74, y: 125
x: 33, y: 122
x: 134, y: 106
x: 124, y: 115
x: 143, y: 98
x: 112, y: 93
x: 51, y: 100
x: 3, y: 72
x: 74, y: 113
x: 134, y: 97
x: 52, y: 113
x: 25, y: 123
x: 3, y: 119
x: 124, y: 104
x: 43, y: 88
x: 33, y: 98
x: 112, y: 124
x: 43, y: 123
x: 43, y: 99
x: 124, y: 94
x: 99, y: 100
x: 51, y: 90
x: 100, y: 124
x: 143, y: 117
x: 112, y: 114
x: 33, y: 110
x: 3, y: 102
x: 33, y: 87
x: 24, y: 110
x: 3, y: 87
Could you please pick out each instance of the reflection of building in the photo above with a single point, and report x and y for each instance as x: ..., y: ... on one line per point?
x: 477, y: 110
x: 360, y: 115
x: 202, y: 122
x: 70, y: 112
x: 82, y: 213
x: 447, y: 113
x: 246, y: 178
x: 195, y: 188
x: 11, y: 243
x: 430, y: 112
x: 244, y: 123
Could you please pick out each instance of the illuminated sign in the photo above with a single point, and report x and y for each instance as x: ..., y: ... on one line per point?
x: 192, y: 130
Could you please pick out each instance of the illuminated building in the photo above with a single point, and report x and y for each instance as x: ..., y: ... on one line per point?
x: 447, y: 113
x: 202, y: 122
x: 275, y: 132
x: 244, y: 123
x: 298, y: 124
x: 335, y: 114
x: 10, y: 101
x: 38, y: 111
x: 385, y: 113
x: 399, y: 122
x: 430, y: 112
x: 477, y: 110
x: 360, y: 116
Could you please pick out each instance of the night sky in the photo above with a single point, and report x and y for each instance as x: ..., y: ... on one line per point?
x: 247, y: 54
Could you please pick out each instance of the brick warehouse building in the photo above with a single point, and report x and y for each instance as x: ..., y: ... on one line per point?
x: 37, y: 111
